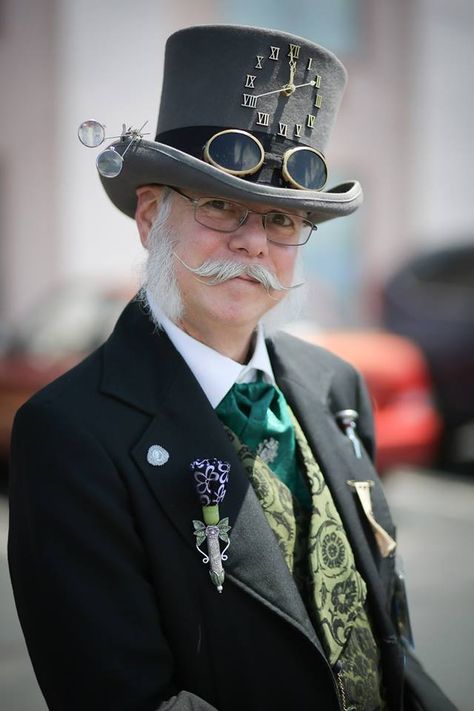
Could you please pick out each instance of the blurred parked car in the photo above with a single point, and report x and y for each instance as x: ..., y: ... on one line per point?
x: 59, y: 332
x: 407, y: 423
x: 75, y: 320
x: 431, y: 301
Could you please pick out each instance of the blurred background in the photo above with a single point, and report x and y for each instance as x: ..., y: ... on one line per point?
x: 390, y: 287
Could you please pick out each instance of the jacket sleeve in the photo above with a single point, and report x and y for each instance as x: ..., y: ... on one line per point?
x: 84, y: 598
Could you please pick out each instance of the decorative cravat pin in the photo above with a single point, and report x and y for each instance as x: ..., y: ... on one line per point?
x: 210, y: 479
x: 268, y: 449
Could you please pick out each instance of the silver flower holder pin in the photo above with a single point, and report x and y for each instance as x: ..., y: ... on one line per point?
x: 109, y: 162
x: 347, y: 421
x: 210, y: 479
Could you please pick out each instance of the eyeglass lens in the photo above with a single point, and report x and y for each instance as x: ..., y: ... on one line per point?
x: 226, y: 216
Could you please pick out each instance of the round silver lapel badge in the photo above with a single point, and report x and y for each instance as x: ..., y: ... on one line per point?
x: 157, y: 456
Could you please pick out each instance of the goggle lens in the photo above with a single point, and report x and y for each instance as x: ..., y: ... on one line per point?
x: 235, y: 152
x: 305, y: 168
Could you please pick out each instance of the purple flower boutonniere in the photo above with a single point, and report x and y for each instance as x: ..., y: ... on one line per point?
x: 210, y: 480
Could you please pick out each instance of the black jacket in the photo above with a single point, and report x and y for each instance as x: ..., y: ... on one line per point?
x: 116, y: 605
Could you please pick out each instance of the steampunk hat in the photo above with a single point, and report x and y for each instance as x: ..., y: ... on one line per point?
x: 245, y: 114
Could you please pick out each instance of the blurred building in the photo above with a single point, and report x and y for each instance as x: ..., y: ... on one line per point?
x: 404, y: 131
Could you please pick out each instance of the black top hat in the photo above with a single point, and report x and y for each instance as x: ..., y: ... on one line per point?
x: 281, y: 89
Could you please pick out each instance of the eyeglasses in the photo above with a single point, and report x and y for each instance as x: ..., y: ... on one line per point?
x: 224, y: 216
x: 240, y: 153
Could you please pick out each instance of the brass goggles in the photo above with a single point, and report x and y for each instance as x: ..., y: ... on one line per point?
x: 222, y: 215
x: 239, y: 153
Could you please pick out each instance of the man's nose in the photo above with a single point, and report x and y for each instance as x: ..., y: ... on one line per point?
x: 251, y: 237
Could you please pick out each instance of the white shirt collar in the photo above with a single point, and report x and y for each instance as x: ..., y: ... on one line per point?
x: 215, y: 373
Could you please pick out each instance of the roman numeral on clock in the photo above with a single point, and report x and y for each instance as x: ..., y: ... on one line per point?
x: 250, y: 81
x: 274, y: 52
x: 298, y: 129
x: 294, y: 51
x: 283, y: 129
x: 310, y: 121
x: 249, y: 101
x: 260, y: 59
x: 263, y: 119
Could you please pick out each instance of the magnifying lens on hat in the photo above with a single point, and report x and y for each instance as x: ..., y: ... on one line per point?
x: 109, y: 162
x: 91, y: 133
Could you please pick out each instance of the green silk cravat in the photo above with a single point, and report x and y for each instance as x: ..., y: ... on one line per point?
x: 259, y: 415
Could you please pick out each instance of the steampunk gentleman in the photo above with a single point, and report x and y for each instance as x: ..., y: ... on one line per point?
x: 191, y: 527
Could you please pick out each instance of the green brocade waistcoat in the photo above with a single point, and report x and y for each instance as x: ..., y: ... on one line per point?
x: 318, y: 554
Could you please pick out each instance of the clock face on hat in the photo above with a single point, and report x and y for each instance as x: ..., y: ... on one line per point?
x: 302, y: 77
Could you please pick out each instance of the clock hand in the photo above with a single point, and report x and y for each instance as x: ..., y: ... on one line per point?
x: 275, y: 91
x: 288, y: 89
x: 308, y: 83
x: 292, y: 72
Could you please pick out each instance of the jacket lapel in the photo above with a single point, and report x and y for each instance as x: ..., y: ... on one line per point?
x: 142, y: 368
x: 336, y: 457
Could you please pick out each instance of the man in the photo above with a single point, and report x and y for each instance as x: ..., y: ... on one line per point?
x: 191, y: 528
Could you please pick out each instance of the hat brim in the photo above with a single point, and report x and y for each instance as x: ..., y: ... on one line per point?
x: 148, y: 163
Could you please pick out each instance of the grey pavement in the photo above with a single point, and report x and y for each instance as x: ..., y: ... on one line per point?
x: 435, y: 518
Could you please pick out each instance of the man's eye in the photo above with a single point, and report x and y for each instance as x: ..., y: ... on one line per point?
x: 219, y: 205
x: 281, y: 220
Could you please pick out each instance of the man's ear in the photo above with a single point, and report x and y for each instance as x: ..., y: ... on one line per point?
x: 148, y: 199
